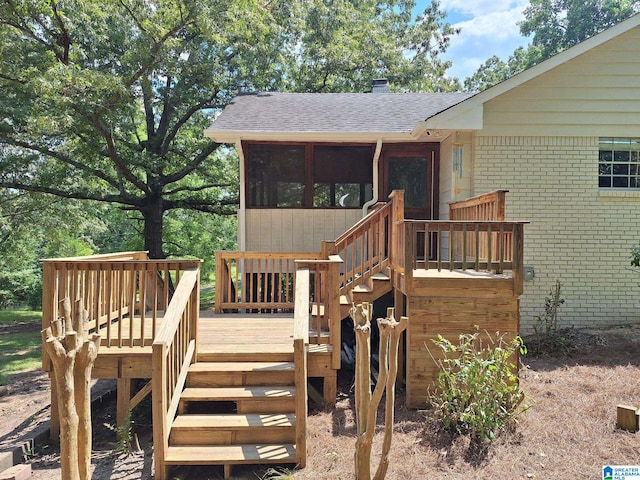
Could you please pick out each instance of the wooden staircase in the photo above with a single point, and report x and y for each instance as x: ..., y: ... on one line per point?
x: 375, y: 287
x: 237, y: 412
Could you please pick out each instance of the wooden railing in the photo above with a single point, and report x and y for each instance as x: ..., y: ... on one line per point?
x: 174, y: 349
x: 366, y: 248
x: 324, y: 302
x: 113, y: 289
x: 300, y: 344
x: 464, y: 245
x: 489, y: 206
x: 256, y: 280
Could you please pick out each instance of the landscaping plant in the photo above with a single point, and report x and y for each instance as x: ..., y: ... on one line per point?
x: 477, y: 391
x: 546, y: 329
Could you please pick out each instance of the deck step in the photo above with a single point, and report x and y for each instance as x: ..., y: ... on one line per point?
x: 246, y: 353
x: 232, y: 429
x: 253, y: 399
x: 231, y: 454
x: 362, y: 289
x: 221, y: 374
x: 380, y: 276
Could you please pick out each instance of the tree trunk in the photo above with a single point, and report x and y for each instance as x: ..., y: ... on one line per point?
x: 153, y: 215
x: 73, y: 353
x: 366, y: 403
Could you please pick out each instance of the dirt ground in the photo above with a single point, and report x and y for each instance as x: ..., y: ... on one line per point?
x: 569, y: 431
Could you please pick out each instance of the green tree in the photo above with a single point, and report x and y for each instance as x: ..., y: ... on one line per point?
x: 107, y: 101
x: 494, y: 70
x: 554, y: 26
x: 559, y: 24
x: 32, y: 226
x: 344, y: 44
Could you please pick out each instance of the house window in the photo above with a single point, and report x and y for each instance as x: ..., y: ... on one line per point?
x: 341, y: 176
x: 619, y: 163
x: 276, y: 175
x: 309, y: 176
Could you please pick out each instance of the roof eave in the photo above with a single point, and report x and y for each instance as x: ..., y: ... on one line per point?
x: 232, y: 136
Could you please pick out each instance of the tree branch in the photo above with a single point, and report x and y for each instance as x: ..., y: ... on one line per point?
x: 184, y: 119
x: 222, y: 207
x: 196, y: 189
x: 133, y: 201
x: 63, y: 158
x: 190, y: 167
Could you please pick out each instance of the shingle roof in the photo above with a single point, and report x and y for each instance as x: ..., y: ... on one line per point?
x: 332, y: 112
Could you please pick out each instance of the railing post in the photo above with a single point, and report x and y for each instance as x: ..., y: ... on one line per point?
x: 160, y: 401
x: 220, y: 283
x: 300, y: 368
x: 195, y: 314
x: 409, y: 252
x: 501, y: 205
x: 517, y: 259
x: 395, y: 239
x: 326, y: 249
x: 333, y: 298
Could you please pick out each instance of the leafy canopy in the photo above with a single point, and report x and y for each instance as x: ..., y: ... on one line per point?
x: 554, y: 26
x: 107, y: 101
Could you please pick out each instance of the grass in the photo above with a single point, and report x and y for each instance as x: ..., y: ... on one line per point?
x: 19, y: 315
x: 20, y: 342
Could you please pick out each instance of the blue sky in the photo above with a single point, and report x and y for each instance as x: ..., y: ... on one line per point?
x: 489, y: 27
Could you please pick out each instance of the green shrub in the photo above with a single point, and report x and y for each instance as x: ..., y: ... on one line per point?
x: 477, y: 391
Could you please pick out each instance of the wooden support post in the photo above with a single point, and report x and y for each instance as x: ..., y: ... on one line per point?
x: 398, y: 305
x: 124, y: 387
x: 330, y: 389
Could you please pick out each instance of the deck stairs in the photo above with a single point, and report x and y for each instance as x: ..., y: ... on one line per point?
x: 236, y: 411
x: 377, y: 285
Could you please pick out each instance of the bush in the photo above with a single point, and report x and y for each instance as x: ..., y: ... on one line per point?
x: 546, y: 328
x: 477, y: 392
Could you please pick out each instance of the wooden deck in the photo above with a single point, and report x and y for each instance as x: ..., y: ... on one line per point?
x: 448, y: 277
x: 229, y: 337
x: 243, y: 336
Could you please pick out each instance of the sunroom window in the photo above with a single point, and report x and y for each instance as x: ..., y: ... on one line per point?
x: 309, y: 176
x: 276, y: 175
x: 619, y: 162
x: 341, y: 176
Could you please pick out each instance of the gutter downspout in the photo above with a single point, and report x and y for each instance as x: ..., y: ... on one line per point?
x: 242, y: 224
x: 376, y: 161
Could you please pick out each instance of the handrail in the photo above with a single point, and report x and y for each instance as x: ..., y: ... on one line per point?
x: 173, y: 350
x: 366, y: 248
x: 488, y: 206
x: 256, y: 280
x: 135, y: 255
x: 300, y: 343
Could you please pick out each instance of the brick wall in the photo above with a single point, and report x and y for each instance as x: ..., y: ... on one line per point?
x: 578, y: 234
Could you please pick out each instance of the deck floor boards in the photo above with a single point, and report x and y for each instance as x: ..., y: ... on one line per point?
x: 218, y: 334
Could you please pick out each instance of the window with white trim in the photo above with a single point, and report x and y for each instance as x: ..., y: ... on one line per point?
x: 619, y: 162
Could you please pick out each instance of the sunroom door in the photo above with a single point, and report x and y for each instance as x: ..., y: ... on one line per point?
x: 414, y: 169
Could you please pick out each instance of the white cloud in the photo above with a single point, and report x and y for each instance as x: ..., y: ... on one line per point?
x: 489, y: 27
x: 478, y: 8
